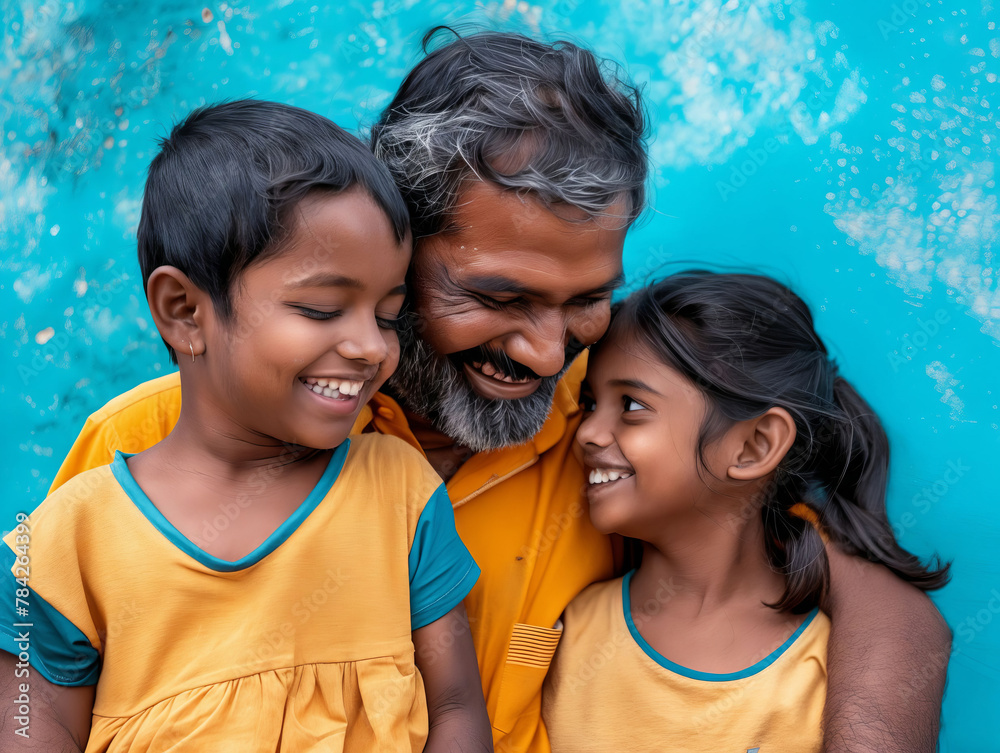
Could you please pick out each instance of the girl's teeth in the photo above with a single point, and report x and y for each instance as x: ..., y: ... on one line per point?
x: 597, y: 476
x: 322, y: 382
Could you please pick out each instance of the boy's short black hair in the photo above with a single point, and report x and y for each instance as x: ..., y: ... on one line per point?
x: 220, y: 193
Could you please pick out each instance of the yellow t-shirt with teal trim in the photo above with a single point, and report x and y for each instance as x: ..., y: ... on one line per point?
x: 303, y: 644
x: 609, y: 690
x: 520, y: 510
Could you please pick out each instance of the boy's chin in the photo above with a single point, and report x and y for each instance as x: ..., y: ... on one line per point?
x: 315, y: 442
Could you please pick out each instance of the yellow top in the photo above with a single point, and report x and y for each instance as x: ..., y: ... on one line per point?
x: 520, y: 511
x: 609, y: 690
x: 305, y: 643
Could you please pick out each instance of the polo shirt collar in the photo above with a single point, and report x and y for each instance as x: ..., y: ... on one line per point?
x: 485, y: 469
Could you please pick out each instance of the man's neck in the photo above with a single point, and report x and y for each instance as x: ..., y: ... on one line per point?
x: 444, y: 454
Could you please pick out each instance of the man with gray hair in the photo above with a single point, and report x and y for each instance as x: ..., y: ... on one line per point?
x: 523, y: 165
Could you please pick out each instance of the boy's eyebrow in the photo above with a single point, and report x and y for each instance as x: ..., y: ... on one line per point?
x: 501, y: 284
x: 634, y: 384
x: 327, y: 280
x: 333, y: 280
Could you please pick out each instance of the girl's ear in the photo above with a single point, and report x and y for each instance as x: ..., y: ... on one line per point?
x: 765, y: 442
x: 180, y: 310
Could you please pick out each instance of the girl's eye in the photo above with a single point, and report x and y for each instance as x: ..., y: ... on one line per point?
x: 391, y: 324
x: 587, y: 404
x: 320, y: 315
x: 631, y: 405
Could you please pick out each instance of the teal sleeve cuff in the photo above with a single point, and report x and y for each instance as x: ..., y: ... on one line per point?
x: 40, y: 635
x: 442, y: 572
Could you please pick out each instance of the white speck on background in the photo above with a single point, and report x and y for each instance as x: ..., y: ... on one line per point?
x: 946, y: 384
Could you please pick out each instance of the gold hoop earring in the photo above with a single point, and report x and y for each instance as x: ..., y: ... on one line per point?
x: 191, y: 346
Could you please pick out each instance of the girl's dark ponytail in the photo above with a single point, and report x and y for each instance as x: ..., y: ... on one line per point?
x: 854, y: 511
x: 749, y: 344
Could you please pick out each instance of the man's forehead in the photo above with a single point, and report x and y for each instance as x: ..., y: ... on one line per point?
x: 481, y: 202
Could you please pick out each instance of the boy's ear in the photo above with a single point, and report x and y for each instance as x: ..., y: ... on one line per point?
x: 766, y: 440
x: 180, y: 310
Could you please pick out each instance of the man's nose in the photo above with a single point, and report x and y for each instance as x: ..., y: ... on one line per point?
x: 540, y: 344
x: 589, y: 324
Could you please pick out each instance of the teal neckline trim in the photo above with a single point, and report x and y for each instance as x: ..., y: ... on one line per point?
x: 693, y: 673
x: 124, y: 477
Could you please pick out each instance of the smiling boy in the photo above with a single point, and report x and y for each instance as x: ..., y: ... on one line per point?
x: 326, y: 613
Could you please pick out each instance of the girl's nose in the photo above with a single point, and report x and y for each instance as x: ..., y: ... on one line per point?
x: 594, y: 431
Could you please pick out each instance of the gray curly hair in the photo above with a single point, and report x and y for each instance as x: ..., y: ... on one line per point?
x: 550, y: 120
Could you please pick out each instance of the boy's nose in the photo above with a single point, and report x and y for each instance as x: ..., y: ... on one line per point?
x: 366, y: 342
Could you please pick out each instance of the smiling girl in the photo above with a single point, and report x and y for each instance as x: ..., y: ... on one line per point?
x: 717, y: 433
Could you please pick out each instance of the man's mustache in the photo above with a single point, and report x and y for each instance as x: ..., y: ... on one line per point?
x: 504, y: 363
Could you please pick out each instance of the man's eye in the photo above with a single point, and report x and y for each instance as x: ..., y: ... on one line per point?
x: 314, y: 314
x: 631, y: 405
x: 493, y: 303
x: 588, y: 302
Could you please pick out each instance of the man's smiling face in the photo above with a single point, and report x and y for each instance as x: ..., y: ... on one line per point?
x: 506, y: 296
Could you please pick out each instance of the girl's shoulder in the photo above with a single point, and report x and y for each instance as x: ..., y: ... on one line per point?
x: 602, y: 599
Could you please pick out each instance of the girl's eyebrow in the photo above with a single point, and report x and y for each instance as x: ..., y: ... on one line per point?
x: 634, y: 384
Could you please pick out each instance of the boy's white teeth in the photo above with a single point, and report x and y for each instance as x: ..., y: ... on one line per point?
x: 603, y: 476
x: 333, y: 387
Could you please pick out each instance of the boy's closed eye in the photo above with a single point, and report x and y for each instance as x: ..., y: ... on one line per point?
x: 317, y: 314
x: 389, y: 321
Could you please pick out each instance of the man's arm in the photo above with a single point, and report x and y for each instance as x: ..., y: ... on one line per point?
x: 447, y: 660
x: 58, y: 717
x: 887, y: 662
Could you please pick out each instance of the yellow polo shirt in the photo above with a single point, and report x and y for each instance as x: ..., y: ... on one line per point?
x: 520, y: 511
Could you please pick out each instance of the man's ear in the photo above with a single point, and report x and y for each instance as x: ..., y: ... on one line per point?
x: 180, y: 310
x: 766, y: 440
